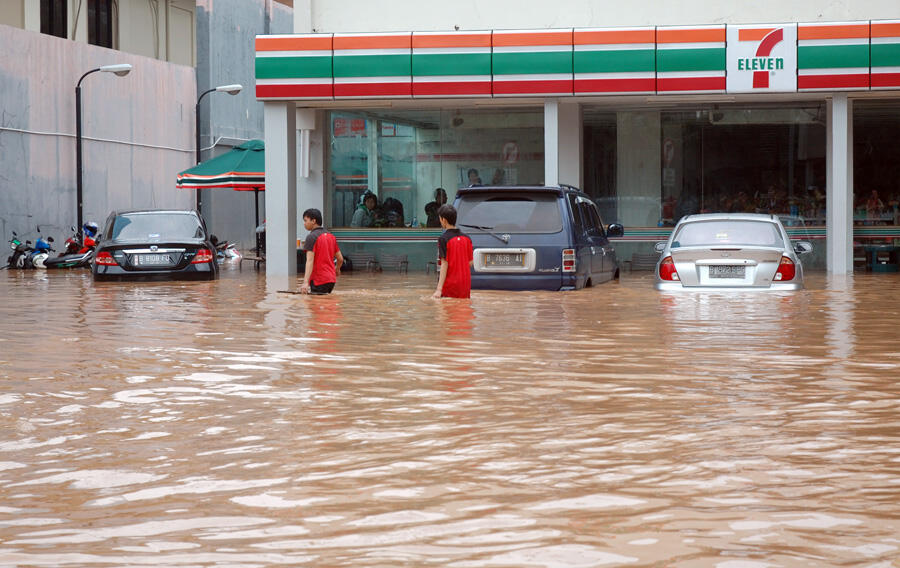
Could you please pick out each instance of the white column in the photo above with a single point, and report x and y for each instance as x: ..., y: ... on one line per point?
x: 839, y: 192
x: 311, y: 164
x: 563, y: 141
x: 281, y: 192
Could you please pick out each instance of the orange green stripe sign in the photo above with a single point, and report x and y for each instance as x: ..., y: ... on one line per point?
x: 745, y: 58
x: 615, y: 61
x: 833, y: 56
x: 690, y: 59
x: 885, y: 53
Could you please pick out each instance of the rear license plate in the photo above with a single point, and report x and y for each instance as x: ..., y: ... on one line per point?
x: 504, y: 259
x: 153, y: 260
x: 726, y: 271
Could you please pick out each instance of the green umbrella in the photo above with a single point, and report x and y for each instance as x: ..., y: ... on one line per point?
x: 242, y: 168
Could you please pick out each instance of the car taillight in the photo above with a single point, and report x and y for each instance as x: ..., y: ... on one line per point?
x: 667, y: 269
x: 568, y: 260
x: 105, y: 259
x: 203, y: 255
x: 786, y: 270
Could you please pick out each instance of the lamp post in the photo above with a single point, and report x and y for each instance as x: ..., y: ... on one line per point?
x: 120, y: 69
x: 231, y: 90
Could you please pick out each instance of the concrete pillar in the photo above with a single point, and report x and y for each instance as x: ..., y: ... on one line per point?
x: 281, y: 192
x: 563, y: 143
x: 638, y: 167
x: 839, y: 186
x: 311, y: 163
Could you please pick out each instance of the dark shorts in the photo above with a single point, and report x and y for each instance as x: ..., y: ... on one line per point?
x: 320, y: 288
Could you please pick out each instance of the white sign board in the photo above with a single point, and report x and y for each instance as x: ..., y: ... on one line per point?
x: 762, y: 58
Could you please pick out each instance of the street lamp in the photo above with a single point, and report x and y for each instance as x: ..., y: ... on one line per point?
x: 231, y: 90
x: 120, y: 69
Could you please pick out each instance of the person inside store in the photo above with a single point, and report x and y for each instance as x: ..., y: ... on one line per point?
x: 364, y: 216
x: 474, y: 178
x: 431, y: 209
x: 498, y: 177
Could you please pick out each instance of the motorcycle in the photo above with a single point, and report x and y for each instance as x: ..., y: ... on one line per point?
x: 75, y: 255
x: 20, y: 252
x: 40, y: 252
x: 225, y: 250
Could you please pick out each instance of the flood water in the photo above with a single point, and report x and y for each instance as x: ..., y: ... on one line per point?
x: 224, y: 424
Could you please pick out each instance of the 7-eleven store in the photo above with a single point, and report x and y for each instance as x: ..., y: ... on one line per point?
x: 796, y: 119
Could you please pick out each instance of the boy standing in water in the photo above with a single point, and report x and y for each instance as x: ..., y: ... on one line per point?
x: 455, y: 252
x: 322, y: 251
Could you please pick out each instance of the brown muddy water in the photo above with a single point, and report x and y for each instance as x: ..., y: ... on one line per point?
x: 221, y: 424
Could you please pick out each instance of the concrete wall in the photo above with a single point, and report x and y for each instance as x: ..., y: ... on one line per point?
x: 226, y: 31
x: 145, y: 121
x: 404, y: 15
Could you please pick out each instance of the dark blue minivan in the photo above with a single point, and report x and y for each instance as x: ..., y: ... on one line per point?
x: 536, y: 238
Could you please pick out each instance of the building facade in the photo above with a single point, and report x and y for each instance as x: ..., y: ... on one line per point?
x: 138, y: 130
x: 654, y: 109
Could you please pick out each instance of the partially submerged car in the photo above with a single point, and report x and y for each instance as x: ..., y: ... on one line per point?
x: 730, y: 251
x: 536, y: 238
x: 155, y: 244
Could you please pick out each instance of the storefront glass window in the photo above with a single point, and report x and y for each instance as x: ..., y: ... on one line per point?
x: 651, y: 167
x: 403, y: 157
x: 876, y: 167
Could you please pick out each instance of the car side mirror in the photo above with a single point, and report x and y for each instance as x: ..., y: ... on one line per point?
x: 660, y: 246
x: 802, y: 247
x: 615, y: 230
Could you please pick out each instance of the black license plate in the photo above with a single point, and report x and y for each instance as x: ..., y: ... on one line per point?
x: 726, y: 271
x: 504, y: 259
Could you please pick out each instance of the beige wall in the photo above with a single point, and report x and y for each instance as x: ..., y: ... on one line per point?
x: 12, y: 13
x: 161, y: 29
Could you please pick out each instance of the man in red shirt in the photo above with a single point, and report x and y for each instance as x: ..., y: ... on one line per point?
x: 323, y: 257
x: 455, y: 252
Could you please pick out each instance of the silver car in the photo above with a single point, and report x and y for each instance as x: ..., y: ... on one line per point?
x: 730, y: 251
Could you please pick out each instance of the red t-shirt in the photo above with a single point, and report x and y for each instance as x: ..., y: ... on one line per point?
x: 455, y: 248
x: 324, y: 247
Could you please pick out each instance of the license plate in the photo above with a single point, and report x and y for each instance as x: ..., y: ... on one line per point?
x: 726, y: 271
x: 504, y: 259
x: 153, y: 259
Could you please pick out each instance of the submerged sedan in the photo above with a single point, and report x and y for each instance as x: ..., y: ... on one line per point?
x: 157, y: 244
x: 730, y: 250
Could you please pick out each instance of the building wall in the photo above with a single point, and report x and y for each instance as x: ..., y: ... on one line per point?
x: 226, y: 34
x: 404, y: 15
x: 162, y: 29
x: 138, y: 132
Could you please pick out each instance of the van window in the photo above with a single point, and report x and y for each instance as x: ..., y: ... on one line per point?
x: 512, y: 212
x: 576, y: 214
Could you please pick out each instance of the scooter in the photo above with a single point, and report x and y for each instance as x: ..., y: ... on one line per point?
x: 75, y: 255
x: 40, y: 252
x: 225, y: 250
x: 20, y: 252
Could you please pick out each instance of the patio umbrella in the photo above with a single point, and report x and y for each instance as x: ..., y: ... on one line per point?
x: 241, y: 169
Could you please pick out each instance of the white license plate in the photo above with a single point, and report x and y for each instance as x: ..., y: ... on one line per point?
x: 504, y: 259
x: 153, y: 260
x: 726, y: 271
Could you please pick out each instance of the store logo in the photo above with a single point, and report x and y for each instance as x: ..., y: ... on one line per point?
x: 762, y: 61
x: 762, y: 58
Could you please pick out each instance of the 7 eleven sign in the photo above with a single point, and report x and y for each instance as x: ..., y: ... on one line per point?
x: 761, y: 58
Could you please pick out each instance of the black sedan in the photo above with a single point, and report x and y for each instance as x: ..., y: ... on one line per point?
x: 154, y: 244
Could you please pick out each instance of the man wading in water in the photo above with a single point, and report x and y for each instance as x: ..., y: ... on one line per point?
x: 455, y: 252
x: 322, y: 251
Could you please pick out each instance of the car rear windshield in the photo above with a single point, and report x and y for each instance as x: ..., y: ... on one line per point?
x: 511, y: 212
x: 733, y: 232
x: 156, y: 226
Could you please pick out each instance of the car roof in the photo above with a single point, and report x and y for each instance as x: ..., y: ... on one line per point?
x: 729, y: 217
x: 143, y: 211
x: 556, y: 189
